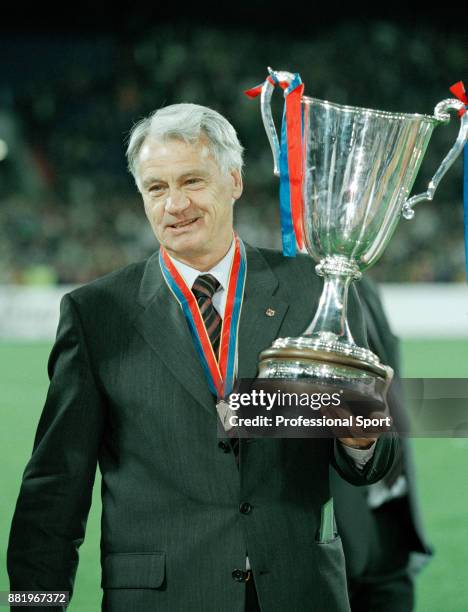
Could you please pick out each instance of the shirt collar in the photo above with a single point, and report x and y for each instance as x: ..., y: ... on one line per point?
x: 220, y: 271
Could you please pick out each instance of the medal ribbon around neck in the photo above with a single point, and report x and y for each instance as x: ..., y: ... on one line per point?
x: 220, y: 375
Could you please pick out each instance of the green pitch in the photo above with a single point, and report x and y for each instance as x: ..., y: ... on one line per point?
x: 442, y: 469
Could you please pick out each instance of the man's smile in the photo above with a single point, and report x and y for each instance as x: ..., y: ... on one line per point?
x: 181, y: 225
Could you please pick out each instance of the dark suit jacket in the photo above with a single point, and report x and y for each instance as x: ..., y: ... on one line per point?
x: 127, y: 391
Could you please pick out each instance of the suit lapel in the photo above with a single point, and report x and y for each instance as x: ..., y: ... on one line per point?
x: 257, y: 329
x: 163, y: 326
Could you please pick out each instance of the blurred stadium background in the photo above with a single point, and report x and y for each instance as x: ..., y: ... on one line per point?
x: 69, y: 212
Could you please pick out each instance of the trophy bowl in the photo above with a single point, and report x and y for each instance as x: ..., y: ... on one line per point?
x: 359, y: 166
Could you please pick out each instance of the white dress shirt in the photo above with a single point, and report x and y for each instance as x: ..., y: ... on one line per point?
x: 221, y: 273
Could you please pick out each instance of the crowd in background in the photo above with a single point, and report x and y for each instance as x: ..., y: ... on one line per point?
x: 69, y: 210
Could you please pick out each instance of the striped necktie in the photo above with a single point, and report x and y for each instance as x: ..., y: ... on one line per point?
x: 204, y: 287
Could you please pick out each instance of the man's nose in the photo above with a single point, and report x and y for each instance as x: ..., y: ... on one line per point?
x: 176, y: 202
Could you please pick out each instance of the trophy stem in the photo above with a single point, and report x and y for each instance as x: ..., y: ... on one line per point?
x: 330, y: 320
x: 330, y: 317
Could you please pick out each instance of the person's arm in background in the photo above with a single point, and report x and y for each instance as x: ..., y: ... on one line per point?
x: 55, y: 497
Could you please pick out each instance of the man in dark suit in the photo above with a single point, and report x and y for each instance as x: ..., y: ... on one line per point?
x: 190, y: 522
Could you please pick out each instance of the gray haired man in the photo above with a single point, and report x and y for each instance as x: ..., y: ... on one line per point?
x: 190, y: 522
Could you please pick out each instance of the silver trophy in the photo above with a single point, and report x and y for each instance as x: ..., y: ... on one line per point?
x: 359, y: 168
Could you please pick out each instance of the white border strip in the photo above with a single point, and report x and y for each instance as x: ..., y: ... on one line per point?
x: 427, y: 310
x: 414, y: 310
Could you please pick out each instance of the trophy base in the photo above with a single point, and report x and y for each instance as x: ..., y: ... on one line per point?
x: 329, y: 360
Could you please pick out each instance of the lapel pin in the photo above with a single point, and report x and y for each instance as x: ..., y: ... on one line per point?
x: 270, y: 312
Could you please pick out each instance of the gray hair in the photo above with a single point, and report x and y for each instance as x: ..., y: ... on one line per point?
x: 188, y: 122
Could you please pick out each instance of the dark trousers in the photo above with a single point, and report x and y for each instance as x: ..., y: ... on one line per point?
x: 393, y: 593
x: 386, y: 585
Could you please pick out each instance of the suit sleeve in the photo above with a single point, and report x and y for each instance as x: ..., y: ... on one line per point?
x: 55, y: 496
x: 387, y: 449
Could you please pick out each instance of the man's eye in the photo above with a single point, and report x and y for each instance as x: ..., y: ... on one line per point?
x: 193, y: 181
x: 155, y: 189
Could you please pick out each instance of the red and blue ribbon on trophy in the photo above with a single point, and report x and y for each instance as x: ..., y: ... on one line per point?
x: 290, y: 162
x: 458, y: 90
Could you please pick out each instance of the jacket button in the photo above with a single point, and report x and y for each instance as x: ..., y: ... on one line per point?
x: 245, y: 508
x: 239, y: 575
x: 224, y: 446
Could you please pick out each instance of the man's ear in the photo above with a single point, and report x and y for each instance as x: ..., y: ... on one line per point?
x: 237, y: 184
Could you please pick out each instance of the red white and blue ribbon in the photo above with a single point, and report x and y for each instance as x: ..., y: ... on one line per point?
x: 220, y: 373
x: 458, y: 89
x: 290, y: 162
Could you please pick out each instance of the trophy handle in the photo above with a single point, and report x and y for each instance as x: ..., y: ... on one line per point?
x: 267, y: 117
x: 442, y: 115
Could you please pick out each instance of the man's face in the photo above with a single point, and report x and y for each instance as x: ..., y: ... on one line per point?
x: 188, y: 199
